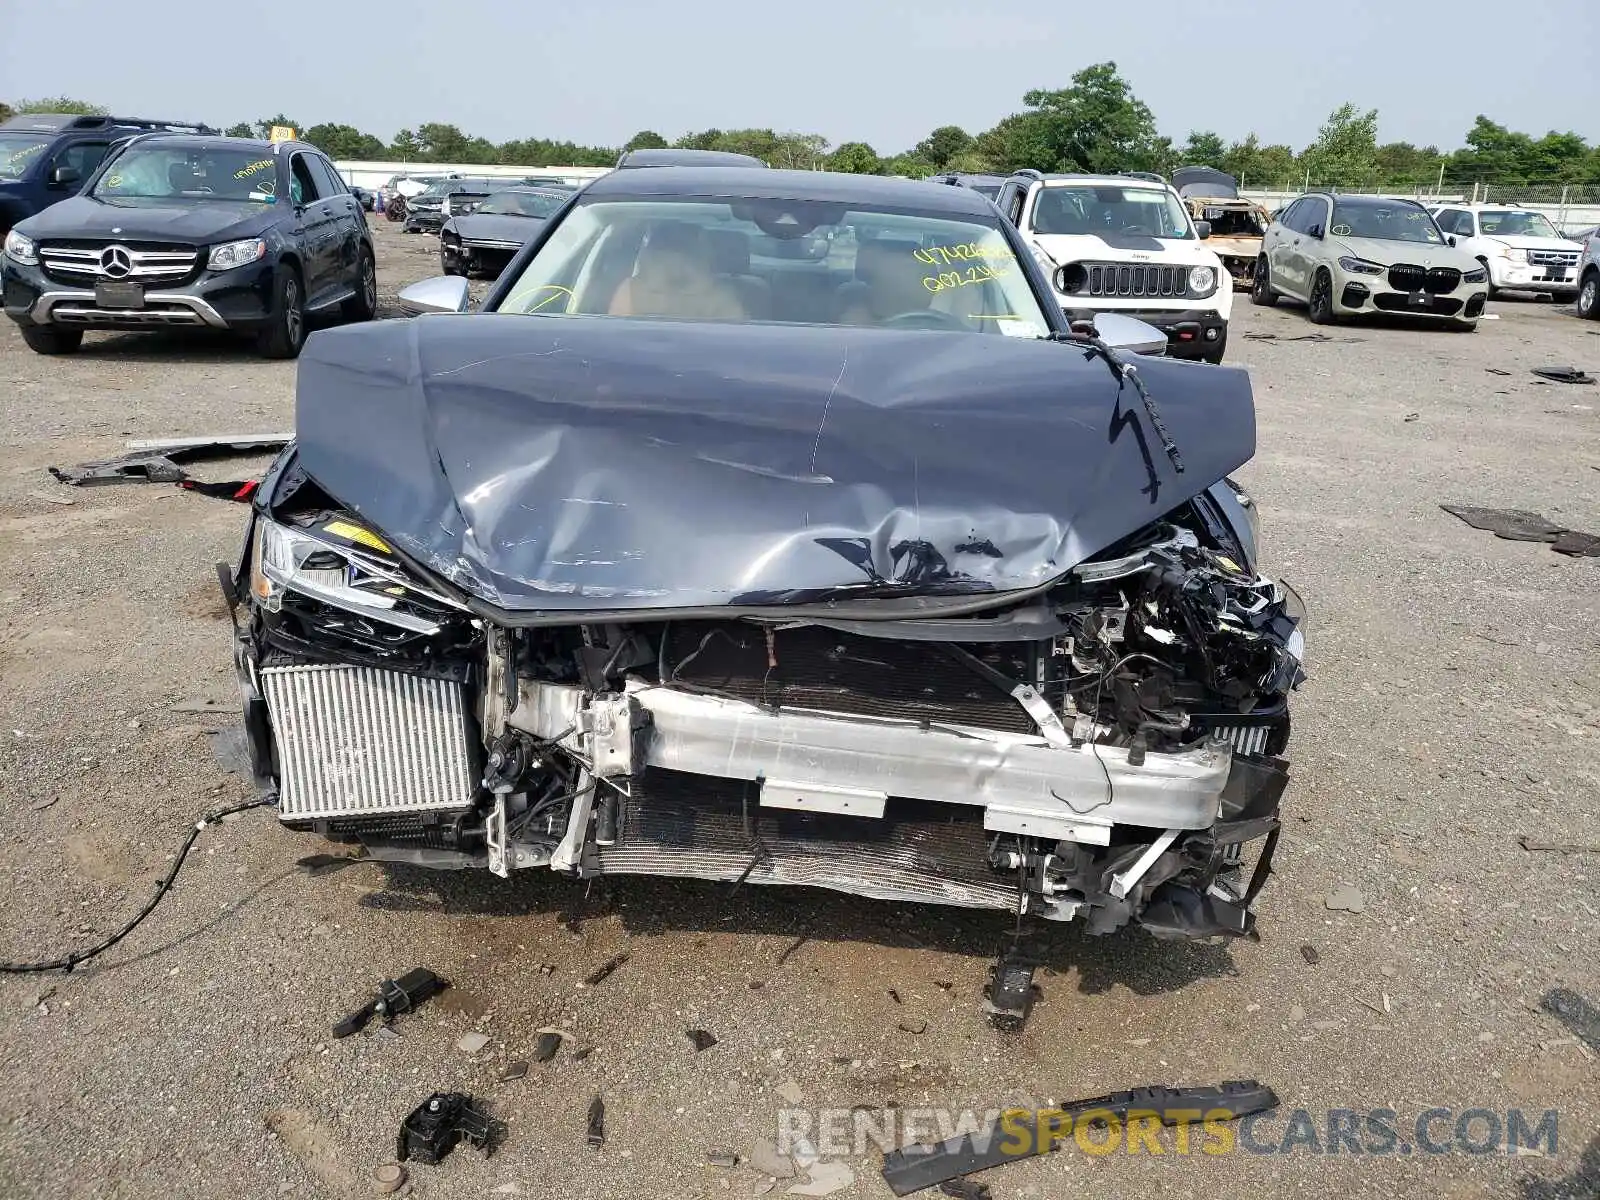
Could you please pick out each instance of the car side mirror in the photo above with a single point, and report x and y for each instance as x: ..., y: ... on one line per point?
x: 1202, y: 230
x: 1315, y: 231
x: 1451, y: 239
x: 1129, y: 334
x: 62, y: 176
x: 441, y: 294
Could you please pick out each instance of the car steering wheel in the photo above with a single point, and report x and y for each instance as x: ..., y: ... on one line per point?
x: 925, y: 318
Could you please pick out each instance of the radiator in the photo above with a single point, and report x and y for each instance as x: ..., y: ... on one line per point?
x: 354, y: 741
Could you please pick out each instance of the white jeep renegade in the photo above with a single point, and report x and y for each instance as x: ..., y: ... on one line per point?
x: 1125, y: 244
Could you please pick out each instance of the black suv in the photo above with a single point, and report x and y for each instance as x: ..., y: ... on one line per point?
x: 189, y: 230
x: 45, y: 157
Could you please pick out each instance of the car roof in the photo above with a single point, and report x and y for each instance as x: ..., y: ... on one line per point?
x: 770, y: 184
x: 213, y: 141
x: 1369, y: 201
x: 1107, y: 181
x: 534, y: 189
x: 65, y: 122
x: 668, y: 156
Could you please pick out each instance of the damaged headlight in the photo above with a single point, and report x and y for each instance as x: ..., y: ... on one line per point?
x: 287, y: 559
x: 1295, y: 609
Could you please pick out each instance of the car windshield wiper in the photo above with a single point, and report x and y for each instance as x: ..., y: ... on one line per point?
x: 1124, y: 371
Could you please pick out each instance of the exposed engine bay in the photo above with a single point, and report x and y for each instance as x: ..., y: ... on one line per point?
x: 1106, y: 749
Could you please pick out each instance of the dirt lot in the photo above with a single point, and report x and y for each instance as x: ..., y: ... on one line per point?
x: 1454, y: 705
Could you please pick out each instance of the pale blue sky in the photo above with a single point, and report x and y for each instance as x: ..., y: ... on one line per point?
x: 598, y: 70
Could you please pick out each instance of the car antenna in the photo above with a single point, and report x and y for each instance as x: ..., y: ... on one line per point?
x: 1083, y: 333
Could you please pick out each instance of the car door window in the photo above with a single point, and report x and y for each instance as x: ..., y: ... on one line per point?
x: 1464, y: 224
x: 302, y: 184
x: 1013, y: 208
x: 328, y: 181
x: 1291, y: 216
x: 83, y: 157
x: 1315, y: 215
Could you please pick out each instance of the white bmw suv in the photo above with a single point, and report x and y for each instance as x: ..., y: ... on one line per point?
x: 1125, y: 244
x: 1521, y: 249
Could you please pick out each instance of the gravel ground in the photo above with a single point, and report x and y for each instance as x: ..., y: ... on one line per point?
x: 1454, y: 705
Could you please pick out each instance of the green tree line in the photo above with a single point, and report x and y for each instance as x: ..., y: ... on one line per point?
x: 1096, y: 123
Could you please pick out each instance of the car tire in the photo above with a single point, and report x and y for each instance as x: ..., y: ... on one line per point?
x: 1319, y: 307
x: 52, y: 339
x: 285, y: 331
x: 1261, y: 292
x: 363, y: 306
x: 1488, y: 277
x: 1589, y: 297
x: 1564, y: 297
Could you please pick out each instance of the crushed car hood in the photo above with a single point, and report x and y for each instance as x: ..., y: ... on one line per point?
x: 590, y: 464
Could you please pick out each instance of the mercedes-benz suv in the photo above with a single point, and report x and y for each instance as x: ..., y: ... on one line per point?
x: 188, y: 230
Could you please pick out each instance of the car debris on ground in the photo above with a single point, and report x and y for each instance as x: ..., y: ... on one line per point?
x: 1520, y: 525
x: 1529, y: 843
x: 394, y: 996
x: 549, y: 1043
x: 914, y: 1167
x: 1564, y: 374
x: 1345, y: 898
x: 700, y: 1039
x: 765, y: 1157
x: 439, y: 1123
x: 158, y: 460
x: 603, y: 972
x: 597, y: 1123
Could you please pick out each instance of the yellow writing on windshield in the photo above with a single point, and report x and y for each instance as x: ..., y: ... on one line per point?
x: 982, y: 273
x: 261, y: 164
x: 945, y: 256
x: 557, y: 292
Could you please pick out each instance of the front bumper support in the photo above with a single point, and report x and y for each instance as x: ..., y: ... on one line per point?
x: 1025, y: 786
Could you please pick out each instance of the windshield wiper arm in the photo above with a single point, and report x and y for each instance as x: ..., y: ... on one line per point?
x: 1124, y: 371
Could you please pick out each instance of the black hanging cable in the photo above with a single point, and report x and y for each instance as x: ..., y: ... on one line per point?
x: 1124, y: 371
x: 71, y: 960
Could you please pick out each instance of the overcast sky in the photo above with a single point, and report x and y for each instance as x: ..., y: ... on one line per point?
x: 598, y: 71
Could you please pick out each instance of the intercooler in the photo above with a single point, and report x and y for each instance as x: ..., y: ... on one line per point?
x: 356, y: 741
x: 697, y: 827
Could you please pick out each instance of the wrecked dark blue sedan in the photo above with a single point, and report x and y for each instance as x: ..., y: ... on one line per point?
x: 775, y: 527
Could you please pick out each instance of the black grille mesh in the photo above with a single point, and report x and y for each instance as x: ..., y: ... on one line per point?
x: 816, y: 668
x: 697, y: 827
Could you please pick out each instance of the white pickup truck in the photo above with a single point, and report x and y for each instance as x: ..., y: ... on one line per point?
x: 1125, y: 244
x: 1521, y: 249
